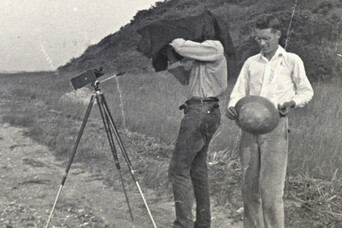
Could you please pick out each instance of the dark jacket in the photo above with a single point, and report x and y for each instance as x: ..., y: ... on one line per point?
x: 157, y: 36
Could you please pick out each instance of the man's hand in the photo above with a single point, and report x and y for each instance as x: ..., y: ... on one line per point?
x: 177, y: 42
x: 231, y: 113
x: 285, y: 108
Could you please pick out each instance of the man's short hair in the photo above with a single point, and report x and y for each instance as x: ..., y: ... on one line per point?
x: 268, y: 21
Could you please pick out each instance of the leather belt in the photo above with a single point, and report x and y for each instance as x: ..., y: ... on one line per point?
x: 196, y: 100
x: 202, y: 101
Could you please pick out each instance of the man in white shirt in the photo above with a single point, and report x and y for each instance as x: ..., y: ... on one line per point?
x: 280, y: 77
x: 188, y: 167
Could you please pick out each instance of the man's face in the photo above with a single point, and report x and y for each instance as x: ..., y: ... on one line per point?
x: 267, y: 40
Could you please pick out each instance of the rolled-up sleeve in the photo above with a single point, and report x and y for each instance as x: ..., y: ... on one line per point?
x: 304, y: 91
x: 209, y: 50
x: 240, y: 89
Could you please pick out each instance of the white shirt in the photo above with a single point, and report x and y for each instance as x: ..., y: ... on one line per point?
x: 208, y: 77
x: 281, y: 79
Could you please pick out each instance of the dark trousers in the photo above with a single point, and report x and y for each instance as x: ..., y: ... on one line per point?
x: 188, y: 165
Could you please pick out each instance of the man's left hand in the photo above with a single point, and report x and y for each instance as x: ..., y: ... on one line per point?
x: 285, y: 108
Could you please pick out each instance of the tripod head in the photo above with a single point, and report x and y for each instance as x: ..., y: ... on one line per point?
x: 96, y: 85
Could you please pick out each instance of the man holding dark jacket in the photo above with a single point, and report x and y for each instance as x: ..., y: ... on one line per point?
x: 188, y: 167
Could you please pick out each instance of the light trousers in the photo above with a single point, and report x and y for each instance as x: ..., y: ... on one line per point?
x: 264, y: 164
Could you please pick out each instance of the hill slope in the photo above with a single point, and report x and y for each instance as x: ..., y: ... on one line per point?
x: 315, y: 34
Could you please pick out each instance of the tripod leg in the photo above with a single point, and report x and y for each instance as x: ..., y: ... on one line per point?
x: 116, y: 134
x: 85, y: 119
x: 122, y: 148
x: 112, y: 146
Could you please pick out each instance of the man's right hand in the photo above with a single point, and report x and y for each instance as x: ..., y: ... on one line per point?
x: 177, y: 42
x: 231, y: 113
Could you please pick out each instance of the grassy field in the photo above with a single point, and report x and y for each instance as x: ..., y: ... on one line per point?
x: 145, y: 108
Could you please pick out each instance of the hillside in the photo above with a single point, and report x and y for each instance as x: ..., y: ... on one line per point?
x: 315, y: 34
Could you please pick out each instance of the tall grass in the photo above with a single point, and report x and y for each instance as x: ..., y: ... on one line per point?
x: 316, y: 135
x: 146, y: 111
x: 151, y: 107
x: 148, y: 103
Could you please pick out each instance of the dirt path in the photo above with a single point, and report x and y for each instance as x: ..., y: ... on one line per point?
x: 30, y: 178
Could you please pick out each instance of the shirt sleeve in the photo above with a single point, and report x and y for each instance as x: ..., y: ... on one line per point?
x: 209, y: 50
x: 240, y: 89
x: 304, y: 91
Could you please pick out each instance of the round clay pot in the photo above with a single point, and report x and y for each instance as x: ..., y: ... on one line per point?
x: 256, y: 115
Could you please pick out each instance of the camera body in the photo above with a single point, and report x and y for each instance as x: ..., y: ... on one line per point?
x: 85, y: 78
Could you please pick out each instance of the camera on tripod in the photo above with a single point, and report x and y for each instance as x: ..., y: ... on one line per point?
x: 91, y: 77
x: 86, y: 78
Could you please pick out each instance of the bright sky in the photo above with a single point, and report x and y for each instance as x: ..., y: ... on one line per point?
x: 44, y: 34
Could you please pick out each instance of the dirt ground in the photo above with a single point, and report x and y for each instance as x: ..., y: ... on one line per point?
x: 30, y: 179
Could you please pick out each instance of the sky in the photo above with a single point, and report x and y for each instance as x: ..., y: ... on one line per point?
x: 39, y: 35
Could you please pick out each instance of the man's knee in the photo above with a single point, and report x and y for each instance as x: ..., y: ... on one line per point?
x: 178, y: 170
x: 199, y: 172
x: 271, y: 200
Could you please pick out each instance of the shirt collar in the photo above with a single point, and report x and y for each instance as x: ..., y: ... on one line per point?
x: 280, y: 52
